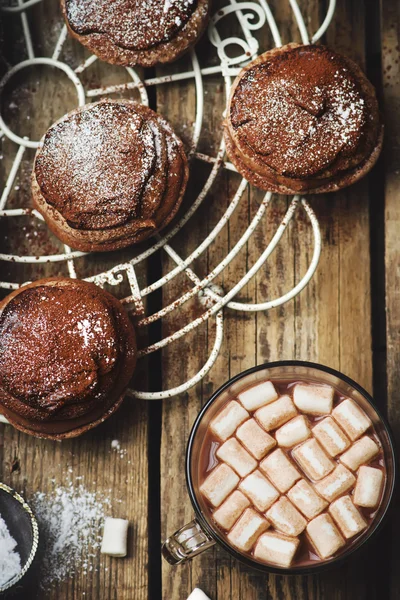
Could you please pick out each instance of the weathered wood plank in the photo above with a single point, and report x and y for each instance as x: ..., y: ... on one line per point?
x: 390, y: 12
x: 45, y: 465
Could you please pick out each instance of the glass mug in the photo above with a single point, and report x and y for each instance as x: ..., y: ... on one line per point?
x: 201, y: 534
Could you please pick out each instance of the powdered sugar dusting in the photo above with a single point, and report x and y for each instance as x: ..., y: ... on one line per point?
x: 70, y: 520
x: 10, y: 560
x: 299, y: 114
x: 133, y: 24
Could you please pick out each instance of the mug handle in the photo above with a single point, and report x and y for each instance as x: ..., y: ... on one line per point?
x: 186, y: 543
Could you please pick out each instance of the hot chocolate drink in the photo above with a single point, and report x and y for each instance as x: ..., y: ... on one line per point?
x: 291, y: 473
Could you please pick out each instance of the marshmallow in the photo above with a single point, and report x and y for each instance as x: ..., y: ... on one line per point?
x: 236, y: 457
x: 351, y: 418
x: 197, y: 594
x: 246, y: 531
x: 280, y: 470
x: 219, y: 484
x: 260, y: 491
x: 324, y: 536
x: 293, y: 432
x: 360, y: 453
x: 258, y: 395
x: 257, y: 441
x: 336, y: 484
x: 331, y: 437
x: 276, y: 549
x: 229, y: 512
x: 368, y: 487
x: 313, y: 399
x: 286, y: 518
x: 313, y: 460
x: 115, y: 537
x: 304, y: 497
x: 347, y: 517
x: 228, y: 420
x: 277, y: 413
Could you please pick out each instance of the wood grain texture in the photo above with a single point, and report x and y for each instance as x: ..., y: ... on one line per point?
x: 37, y: 99
x: 391, y: 93
x: 329, y: 322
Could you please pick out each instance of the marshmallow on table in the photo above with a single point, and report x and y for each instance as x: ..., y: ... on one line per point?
x: 336, y: 484
x: 260, y: 491
x: 361, y: 452
x: 368, y: 487
x: 313, y: 460
x: 258, y: 395
x: 229, y: 512
x: 232, y: 453
x: 276, y: 549
x: 324, y: 536
x: 277, y: 413
x: 257, y: 441
x: 331, y: 437
x: 197, y: 594
x: 286, y: 518
x: 313, y: 399
x: 351, y: 418
x: 115, y: 537
x: 280, y: 470
x: 228, y: 420
x: 304, y: 497
x: 293, y: 432
x: 219, y: 484
x: 246, y: 531
x: 347, y: 517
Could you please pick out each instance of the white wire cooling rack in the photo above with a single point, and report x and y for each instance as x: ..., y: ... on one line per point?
x: 251, y: 16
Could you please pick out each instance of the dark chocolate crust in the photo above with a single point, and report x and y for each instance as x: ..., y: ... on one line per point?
x: 109, y: 175
x: 68, y: 352
x: 130, y: 32
x: 302, y: 119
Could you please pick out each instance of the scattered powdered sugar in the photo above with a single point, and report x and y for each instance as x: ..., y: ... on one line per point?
x: 116, y: 446
x: 70, y: 520
x: 10, y: 561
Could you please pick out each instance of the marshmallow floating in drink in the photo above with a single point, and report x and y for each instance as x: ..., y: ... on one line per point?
x: 286, y: 518
x: 331, y: 437
x: 304, y: 497
x: 277, y: 549
x: 315, y: 463
x: 229, y: 512
x: 313, y: 399
x: 340, y: 481
x: 247, y: 530
x: 275, y: 414
x: 228, y: 420
x: 259, y: 490
x: 368, y: 487
x: 234, y: 455
x: 324, y: 536
x: 361, y: 452
x: 219, y: 484
x: 292, y: 433
x: 351, y: 418
x: 255, y: 439
x: 258, y: 395
x: 280, y: 470
x: 347, y: 517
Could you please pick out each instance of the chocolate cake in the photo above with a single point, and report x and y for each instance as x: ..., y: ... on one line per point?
x: 302, y: 119
x: 67, y: 354
x: 109, y: 175
x: 130, y: 32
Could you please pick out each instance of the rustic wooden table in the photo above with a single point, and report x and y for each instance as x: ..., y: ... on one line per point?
x: 348, y: 317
